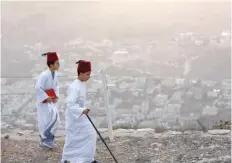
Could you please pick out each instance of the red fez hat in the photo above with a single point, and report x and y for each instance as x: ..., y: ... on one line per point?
x: 83, y: 66
x: 51, y: 56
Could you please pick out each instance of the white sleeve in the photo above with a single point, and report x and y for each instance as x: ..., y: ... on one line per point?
x: 56, y: 89
x: 41, y: 94
x: 72, y: 104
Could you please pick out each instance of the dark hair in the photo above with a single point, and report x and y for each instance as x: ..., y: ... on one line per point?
x: 78, y: 73
x: 50, y: 63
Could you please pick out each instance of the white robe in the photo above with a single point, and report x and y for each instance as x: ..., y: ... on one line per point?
x: 47, y: 113
x: 80, y: 138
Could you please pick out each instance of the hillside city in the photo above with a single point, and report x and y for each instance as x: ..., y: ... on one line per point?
x: 167, y: 64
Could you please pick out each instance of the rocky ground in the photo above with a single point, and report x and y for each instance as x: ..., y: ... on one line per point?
x: 132, y: 146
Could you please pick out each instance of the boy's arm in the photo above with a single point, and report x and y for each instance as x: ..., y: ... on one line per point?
x: 72, y: 105
x: 57, y: 89
x: 41, y: 94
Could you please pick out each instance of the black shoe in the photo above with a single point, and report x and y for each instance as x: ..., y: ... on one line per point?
x: 95, y: 161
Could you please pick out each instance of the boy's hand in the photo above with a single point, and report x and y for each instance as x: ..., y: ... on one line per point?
x: 55, y: 100
x: 49, y: 99
x: 86, y: 111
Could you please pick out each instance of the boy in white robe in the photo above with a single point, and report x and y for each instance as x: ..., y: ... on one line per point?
x: 80, y: 136
x: 47, y: 92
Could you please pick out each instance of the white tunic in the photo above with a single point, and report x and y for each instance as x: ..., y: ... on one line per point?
x: 47, y: 113
x: 80, y: 138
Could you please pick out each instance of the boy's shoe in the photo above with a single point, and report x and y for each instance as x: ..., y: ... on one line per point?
x: 67, y: 161
x: 48, y: 144
x: 54, y: 144
x: 95, y: 161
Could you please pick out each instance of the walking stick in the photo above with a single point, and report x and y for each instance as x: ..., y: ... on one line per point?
x: 101, y: 138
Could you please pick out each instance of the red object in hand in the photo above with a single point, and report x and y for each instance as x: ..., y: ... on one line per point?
x: 50, y: 93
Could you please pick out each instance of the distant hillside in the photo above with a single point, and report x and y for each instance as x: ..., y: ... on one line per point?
x: 56, y: 23
x: 216, y: 65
